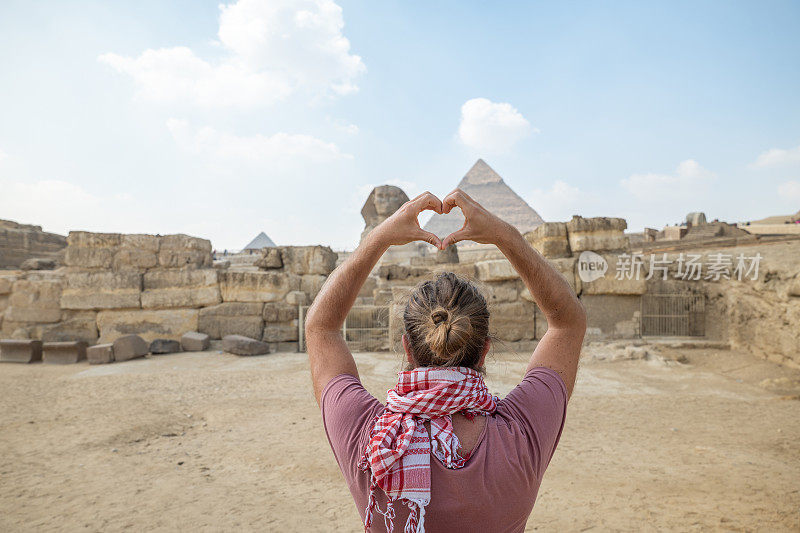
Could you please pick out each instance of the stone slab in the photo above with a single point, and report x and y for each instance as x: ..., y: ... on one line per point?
x: 164, y: 346
x: 100, y: 354
x: 150, y: 324
x: 130, y: 347
x: 195, y: 342
x: 239, y: 345
x: 20, y: 351
x: 63, y: 353
x: 268, y: 286
x: 101, y: 290
x: 495, y: 270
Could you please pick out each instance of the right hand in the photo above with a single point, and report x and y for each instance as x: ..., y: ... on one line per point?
x: 480, y: 225
x: 403, y: 227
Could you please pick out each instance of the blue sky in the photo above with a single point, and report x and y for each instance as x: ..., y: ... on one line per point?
x: 222, y: 121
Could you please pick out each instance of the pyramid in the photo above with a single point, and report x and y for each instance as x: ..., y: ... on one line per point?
x: 261, y: 241
x: 487, y: 188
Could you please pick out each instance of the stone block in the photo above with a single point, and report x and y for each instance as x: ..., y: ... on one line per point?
x: 512, y: 321
x: 503, y: 291
x: 32, y: 315
x: 91, y: 250
x: 496, y: 270
x: 6, y: 282
x: 89, y: 239
x: 240, y: 345
x: 63, y: 353
x: 550, y: 239
x: 308, y: 259
x: 270, y: 259
x: 164, y: 346
x: 136, y: 252
x: 609, y: 284
x: 311, y: 284
x: 232, y: 318
x: 270, y: 286
x: 611, y: 315
x: 101, y: 290
x: 74, y: 326
x: 100, y: 354
x: 597, y: 234
x: 165, y: 289
x: 183, y: 250
x: 150, y: 324
x: 280, y: 332
x: 297, y: 298
x: 129, y: 347
x: 195, y: 342
x: 279, y: 312
x: 20, y: 351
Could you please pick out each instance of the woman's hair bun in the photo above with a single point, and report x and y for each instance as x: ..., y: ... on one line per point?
x: 447, y: 335
x: 439, y: 315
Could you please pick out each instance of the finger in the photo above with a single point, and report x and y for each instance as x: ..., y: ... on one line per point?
x: 427, y: 201
x: 457, y: 198
x: 456, y: 236
x: 429, y: 237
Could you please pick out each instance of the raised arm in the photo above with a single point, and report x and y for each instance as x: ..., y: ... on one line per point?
x: 327, y: 351
x: 559, y: 348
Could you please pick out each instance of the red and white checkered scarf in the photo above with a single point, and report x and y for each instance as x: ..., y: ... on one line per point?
x: 399, y: 448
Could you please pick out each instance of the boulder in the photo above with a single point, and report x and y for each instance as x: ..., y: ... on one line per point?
x: 63, y: 353
x: 270, y: 286
x: 195, y: 342
x: 240, y: 345
x: 308, y: 259
x: 100, y: 354
x: 270, y: 259
x: 165, y: 289
x: 232, y: 318
x: 129, y: 347
x: 164, y: 346
x: 101, y: 290
x: 20, y: 351
x: 149, y: 323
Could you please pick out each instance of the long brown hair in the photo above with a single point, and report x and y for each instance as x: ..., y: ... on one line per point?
x: 447, y: 322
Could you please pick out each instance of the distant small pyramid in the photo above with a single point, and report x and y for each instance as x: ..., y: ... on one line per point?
x: 261, y: 241
x: 486, y: 186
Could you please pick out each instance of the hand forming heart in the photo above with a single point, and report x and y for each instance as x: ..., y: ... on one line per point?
x: 479, y: 224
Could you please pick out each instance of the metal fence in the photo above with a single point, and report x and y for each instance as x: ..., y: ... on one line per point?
x: 673, y: 315
x: 366, y: 328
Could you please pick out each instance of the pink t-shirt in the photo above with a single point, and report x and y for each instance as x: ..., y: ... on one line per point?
x: 495, y: 490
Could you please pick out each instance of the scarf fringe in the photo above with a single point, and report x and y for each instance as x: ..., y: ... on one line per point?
x: 416, y: 514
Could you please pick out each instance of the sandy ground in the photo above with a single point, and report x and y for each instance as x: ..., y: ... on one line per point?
x: 214, y: 442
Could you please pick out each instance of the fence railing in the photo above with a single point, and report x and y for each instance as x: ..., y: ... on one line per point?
x: 673, y: 315
x: 366, y: 328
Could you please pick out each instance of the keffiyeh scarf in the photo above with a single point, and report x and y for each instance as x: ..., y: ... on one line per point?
x: 399, y: 448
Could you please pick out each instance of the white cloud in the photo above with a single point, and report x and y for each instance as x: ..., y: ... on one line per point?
x: 561, y: 201
x: 273, y: 49
x: 493, y: 127
x: 276, y: 148
x: 688, y: 182
x: 777, y: 156
x: 789, y: 191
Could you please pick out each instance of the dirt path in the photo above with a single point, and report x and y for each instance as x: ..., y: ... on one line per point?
x: 214, y: 442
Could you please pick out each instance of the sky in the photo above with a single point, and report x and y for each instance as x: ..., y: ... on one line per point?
x: 222, y: 120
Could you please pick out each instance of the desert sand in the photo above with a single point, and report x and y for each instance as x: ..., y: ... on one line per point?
x: 214, y: 442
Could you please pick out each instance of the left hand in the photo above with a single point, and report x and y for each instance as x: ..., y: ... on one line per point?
x: 403, y: 227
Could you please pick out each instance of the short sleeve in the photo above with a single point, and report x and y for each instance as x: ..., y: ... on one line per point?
x: 539, y: 405
x: 347, y: 409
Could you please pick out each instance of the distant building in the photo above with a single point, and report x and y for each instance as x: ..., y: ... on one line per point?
x: 262, y: 240
x: 487, y: 188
